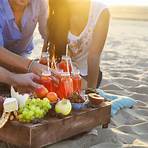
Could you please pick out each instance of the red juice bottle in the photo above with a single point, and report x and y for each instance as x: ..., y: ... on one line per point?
x: 46, y: 80
x: 63, y: 64
x: 65, y: 89
x: 77, y: 81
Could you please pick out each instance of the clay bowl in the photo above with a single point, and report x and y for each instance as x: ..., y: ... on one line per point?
x: 95, y: 99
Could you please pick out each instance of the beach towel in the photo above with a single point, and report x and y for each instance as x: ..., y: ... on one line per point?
x: 118, y: 102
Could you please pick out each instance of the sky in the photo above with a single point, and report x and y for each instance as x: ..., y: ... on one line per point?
x: 126, y: 2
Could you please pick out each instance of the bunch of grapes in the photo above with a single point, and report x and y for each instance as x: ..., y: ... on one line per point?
x: 34, y: 109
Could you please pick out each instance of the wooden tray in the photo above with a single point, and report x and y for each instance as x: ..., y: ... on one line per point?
x: 52, y: 130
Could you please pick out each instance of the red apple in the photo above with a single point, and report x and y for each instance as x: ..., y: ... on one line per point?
x: 41, y: 92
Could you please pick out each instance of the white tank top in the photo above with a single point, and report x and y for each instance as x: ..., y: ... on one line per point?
x: 80, y: 44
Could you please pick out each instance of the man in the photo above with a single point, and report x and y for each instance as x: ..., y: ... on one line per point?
x: 18, y: 20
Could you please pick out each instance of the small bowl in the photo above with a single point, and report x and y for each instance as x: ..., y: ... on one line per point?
x: 95, y: 99
x: 78, y: 106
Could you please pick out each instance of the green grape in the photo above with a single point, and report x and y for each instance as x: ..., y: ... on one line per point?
x: 34, y: 109
x: 46, y: 100
x: 41, y: 114
x: 37, y: 112
x: 28, y: 102
x: 33, y: 101
x: 38, y: 101
x: 29, y: 115
x: 25, y: 113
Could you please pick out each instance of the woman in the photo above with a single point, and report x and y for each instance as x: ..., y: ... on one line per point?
x: 83, y: 24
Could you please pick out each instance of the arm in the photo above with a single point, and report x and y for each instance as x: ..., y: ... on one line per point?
x: 19, y: 64
x: 98, y: 41
x: 12, y: 61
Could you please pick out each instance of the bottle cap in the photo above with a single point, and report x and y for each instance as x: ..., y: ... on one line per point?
x: 65, y: 74
x: 46, y: 73
x: 75, y: 72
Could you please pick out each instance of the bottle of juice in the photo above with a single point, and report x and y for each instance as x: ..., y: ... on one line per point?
x: 65, y: 88
x: 76, y: 81
x: 46, y: 80
x: 63, y: 64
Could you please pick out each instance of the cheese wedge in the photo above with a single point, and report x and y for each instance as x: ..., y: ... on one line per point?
x: 10, y: 105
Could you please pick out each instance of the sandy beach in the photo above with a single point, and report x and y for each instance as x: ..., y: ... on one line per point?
x: 138, y: 12
x: 124, y: 63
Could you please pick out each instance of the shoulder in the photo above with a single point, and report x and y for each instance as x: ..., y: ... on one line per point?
x: 99, y: 4
x: 100, y: 7
x: 39, y: 6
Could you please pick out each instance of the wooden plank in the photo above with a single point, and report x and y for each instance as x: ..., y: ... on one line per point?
x: 52, y: 130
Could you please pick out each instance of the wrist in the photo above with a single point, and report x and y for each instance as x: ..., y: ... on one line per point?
x: 11, y: 79
x: 30, y: 65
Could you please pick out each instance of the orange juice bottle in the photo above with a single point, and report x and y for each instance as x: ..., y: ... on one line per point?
x: 76, y: 81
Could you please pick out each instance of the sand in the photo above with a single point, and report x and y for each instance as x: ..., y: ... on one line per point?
x: 136, y: 12
x: 124, y: 65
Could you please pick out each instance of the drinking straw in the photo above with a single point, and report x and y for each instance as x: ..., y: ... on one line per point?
x: 48, y: 62
x: 67, y: 58
x: 67, y: 48
x: 48, y: 56
x: 72, y: 68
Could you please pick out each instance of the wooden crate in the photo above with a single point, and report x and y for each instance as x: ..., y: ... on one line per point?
x: 52, y: 130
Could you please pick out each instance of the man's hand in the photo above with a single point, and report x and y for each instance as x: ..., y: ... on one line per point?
x: 25, y: 82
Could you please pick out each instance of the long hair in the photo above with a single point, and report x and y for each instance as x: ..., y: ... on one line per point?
x: 58, y: 25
